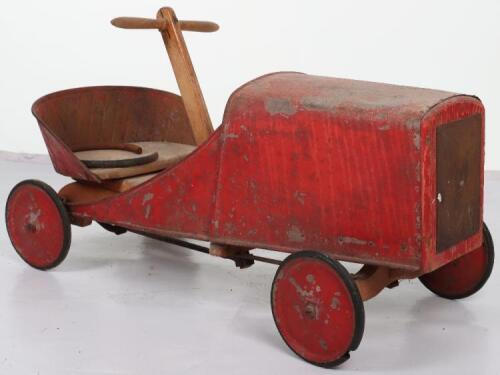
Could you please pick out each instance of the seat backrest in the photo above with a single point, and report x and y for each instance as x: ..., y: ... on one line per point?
x: 94, y: 116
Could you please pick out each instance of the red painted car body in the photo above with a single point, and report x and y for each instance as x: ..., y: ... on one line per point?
x: 305, y: 162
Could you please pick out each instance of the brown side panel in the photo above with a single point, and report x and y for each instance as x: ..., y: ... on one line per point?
x: 458, y: 181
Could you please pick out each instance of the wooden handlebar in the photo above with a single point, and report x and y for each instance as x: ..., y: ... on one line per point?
x: 199, y: 26
x: 161, y: 24
x: 138, y: 23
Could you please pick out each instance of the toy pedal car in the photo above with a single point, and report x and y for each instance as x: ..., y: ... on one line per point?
x: 327, y: 169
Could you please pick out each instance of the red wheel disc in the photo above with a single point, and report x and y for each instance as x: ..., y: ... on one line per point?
x: 38, y: 224
x: 317, y: 308
x: 465, y: 275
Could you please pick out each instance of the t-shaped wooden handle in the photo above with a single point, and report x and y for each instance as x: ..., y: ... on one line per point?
x: 161, y: 24
x: 171, y: 30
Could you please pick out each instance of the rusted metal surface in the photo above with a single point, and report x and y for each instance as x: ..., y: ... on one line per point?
x: 242, y: 259
x: 226, y: 251
x: 384, y: 175
x: 84, y: 193
x: 303, y: 162
x: 371, y: 280
x: 458, y: 172
x: 97, y: 116
x: 178, y: 202
x: 329, y: 164
x: 241, y: 255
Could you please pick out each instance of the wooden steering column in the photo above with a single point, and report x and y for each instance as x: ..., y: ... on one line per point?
x: 171, y: 31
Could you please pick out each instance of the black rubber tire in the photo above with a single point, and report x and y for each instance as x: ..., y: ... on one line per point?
x: 355, y: 296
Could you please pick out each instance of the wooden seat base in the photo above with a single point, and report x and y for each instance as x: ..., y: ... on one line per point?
x: 124, y: 184
x: 169, y: 154
x: 118, y: 180
x: 89, y: 192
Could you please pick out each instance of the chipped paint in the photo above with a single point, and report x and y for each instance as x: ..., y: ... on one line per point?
x: 252, y: 184
x: 300, y: 197
x: 229, y: 228
x: 299, y: 311
x: 319, y: 103
x: 311, y: 311
x: 323, y: 345
x: 215, y: 223
x: 147, y: 197
x: 335, y: 304
x: 294, y: 234
x: 351, y: 240
x: 33, y: 216
x: 417, y: 175
x: 413, y: 123
x: 310, y: 279
x: 418, y: 219
x: 416, y: 140
x: 357, y: 179
x: 275, y: 106
x: 298, y: 288
x: 147, y: 211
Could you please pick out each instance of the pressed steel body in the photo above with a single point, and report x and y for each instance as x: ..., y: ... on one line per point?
x: 387, y: 176
x: 303, y: 162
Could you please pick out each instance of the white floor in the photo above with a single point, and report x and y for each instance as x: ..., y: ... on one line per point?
x: 130, y: 305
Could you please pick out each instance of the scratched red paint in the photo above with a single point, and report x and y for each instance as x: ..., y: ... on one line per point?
x: 176, y: 202
x: 451, y: 110
x: 304, y: 162
x: 35, y: 226
x: 314, y: 311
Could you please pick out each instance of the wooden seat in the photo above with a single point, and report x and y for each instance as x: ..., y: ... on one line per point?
x: 119, y: 180
x: 169, y: 154
x: 124, y: 184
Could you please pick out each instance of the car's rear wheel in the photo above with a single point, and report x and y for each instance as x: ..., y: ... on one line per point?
x: 464, y: 276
